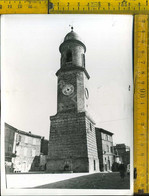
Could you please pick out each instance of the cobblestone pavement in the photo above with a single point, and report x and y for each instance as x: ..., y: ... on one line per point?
x: 92, y: 181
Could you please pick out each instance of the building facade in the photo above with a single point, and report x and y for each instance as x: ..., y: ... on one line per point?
x: 21, y: 149
x: 122, y: 154
x: 27, y: 149
x: 9, y: 147
x: 105, y: 149
x: 72, y: 140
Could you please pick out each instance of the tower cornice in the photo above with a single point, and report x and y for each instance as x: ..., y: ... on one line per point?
x: 65, y: 115
x: 71, y: 68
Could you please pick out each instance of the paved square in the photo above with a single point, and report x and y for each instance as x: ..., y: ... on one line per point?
x: 92, y: 181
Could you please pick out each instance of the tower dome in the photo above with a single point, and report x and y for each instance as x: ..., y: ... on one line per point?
x: 72, y: 36
x: 72, y: 51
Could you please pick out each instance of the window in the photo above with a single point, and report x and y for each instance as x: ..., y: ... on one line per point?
x: 107, y: 148
x: 18, y: 138
x: 105, y: 160
x: 90, y: 126
x: 94, y: 165
x: 69, y: 56
x: 104, y: 147
x: 111, y: 149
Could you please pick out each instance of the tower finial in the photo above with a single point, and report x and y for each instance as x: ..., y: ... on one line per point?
x: 71, y: 27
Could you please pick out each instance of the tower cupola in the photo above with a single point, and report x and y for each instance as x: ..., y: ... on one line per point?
x: 72, y: 51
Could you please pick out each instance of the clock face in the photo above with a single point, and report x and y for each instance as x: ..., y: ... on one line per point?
x: 86, y: 93
x: 68, y: 89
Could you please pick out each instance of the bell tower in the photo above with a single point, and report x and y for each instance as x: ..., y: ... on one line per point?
x: 72, y: 140
x: 73, y: 93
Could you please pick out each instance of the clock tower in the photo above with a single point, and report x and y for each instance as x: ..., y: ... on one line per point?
x: 72, y: 140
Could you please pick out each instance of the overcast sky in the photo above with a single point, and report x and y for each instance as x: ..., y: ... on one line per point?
x: 30, y: 59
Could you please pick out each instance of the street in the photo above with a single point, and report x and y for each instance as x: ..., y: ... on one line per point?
x: 67, y: 181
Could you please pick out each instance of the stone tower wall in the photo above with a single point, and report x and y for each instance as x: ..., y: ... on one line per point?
x: 68, y: 143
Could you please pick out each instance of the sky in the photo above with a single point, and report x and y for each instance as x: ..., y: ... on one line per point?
x: 31, y: 57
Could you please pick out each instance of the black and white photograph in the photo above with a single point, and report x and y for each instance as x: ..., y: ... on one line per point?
x: 67, y: 104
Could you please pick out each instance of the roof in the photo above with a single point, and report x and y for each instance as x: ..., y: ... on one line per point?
x: 72, y: 36
x: 23, y: 132
x: 122, y: 146
x: 103, y: 131
x: 28, y: 134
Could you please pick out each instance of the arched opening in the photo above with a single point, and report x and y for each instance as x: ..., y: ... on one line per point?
x: 69, y: 56
x: 83, y: 60
x: 94, y: 165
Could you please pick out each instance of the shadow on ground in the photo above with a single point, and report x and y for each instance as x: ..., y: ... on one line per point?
x: 92, y: 181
